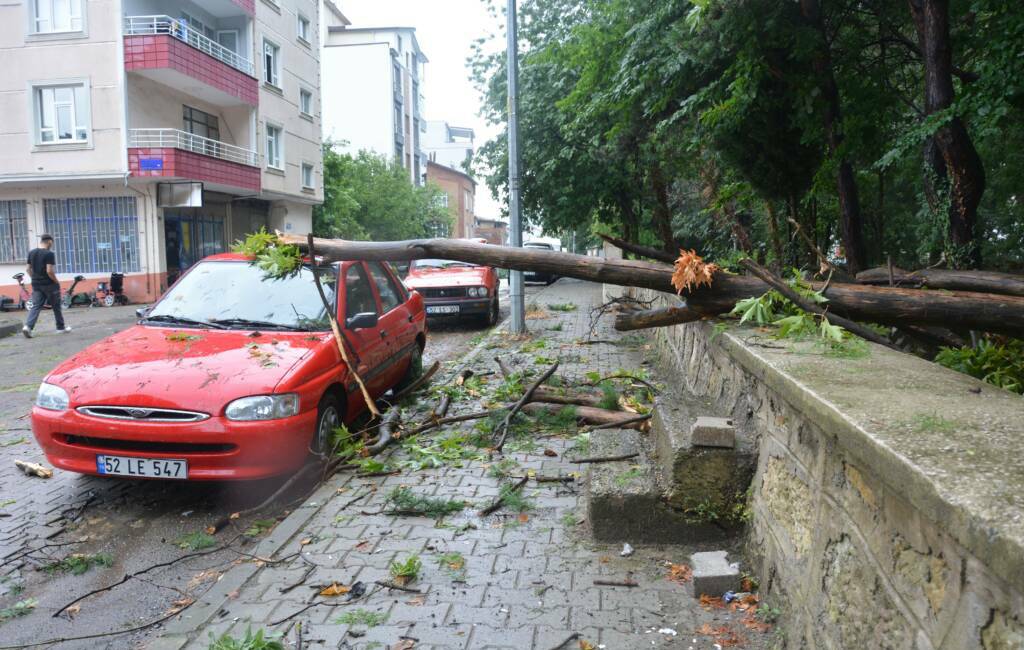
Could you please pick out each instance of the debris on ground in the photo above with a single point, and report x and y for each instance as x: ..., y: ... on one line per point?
x: 33, y: 469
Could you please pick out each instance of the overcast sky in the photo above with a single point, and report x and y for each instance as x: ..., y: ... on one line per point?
x: 445, y: 30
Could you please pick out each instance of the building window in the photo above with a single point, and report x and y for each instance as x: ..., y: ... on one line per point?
x: 303, y: 28
x: 398, y: 154
x: 441, y: 200
x: 275, y: 158
x: 94, y: 235
x: 271, y: 63
x: 307, y: 176
x: 13, y: 232
x: 49, y: 16
x: 62, y: 113
x: 398, y: 119
x: 201, y: 123
x: 398, y: 80
x: 305, y: 102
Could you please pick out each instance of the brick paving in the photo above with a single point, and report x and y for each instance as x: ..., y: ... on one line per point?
x: 527, y: 581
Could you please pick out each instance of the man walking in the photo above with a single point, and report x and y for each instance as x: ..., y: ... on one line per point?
x: 42, y: 268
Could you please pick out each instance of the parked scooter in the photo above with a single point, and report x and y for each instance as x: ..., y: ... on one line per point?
x: 70, y: 299
x: 24, y: 295
x: 112, y: 293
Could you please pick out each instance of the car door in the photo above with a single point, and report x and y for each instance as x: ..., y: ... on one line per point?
x: 394, y: 322
x: 359, y: 297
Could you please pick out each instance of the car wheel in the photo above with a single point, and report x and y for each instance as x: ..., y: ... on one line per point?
x: 328, y: 418
x: 413, y: 372
x: 491, y: 319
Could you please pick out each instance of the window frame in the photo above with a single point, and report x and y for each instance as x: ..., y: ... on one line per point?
x: 273, y: 80
x: 34, y: 20
x: 390, y: 281
x: 303, y: 93
x: 11, y: 226
x: 312, y: 175
x: 300, y: 20
x: 79, y: 120
x: 267, y: 127
x: 367, y: 278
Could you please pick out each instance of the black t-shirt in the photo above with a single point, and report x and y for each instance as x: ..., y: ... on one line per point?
x: 38, y: 258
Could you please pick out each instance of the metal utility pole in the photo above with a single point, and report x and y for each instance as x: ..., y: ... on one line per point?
x: 518, y: 322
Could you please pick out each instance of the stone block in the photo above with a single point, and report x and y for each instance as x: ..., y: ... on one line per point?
x: 712, y: 574
x: 713, y: 432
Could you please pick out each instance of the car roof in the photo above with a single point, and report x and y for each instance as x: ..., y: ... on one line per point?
x: 236, y: 257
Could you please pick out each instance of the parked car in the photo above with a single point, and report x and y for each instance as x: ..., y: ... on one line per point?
x: 539, y: 276
x: 456, y: 289
x: 231, y: 374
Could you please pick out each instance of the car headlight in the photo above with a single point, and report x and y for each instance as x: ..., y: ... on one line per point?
x: 263, y: 407
x: 477, y: 292
x: 53, y: 398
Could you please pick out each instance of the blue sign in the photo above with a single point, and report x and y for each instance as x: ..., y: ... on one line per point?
x: 151, y: 164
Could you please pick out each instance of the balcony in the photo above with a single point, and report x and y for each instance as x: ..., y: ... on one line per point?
x: 170, y: 52
x: 174, y: 154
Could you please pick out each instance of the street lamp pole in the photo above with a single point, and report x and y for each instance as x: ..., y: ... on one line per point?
x: 518, y: 322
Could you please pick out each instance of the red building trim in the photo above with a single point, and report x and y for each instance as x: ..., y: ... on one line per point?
x: 165, y: 51
x: 177, y: 163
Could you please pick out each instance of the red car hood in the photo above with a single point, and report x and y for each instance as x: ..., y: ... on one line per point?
x: 189, y: 369
x: 453, y: 277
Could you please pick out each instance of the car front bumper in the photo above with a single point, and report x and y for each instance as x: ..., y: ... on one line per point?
x: 466, y: 307
x: 216, y: 448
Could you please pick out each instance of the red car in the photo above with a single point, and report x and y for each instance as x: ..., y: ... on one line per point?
x: 230, y: 375
x: 456, y: 289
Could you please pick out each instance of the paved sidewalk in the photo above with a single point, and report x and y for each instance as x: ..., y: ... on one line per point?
x: 527, y: 580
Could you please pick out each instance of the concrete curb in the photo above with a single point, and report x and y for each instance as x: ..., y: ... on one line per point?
x: 181, y: 631
x: 9, y: 328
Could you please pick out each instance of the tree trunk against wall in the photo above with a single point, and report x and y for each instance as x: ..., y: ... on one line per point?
x: 662, y: 214
x: 851, y: 222
x: 963, y: 165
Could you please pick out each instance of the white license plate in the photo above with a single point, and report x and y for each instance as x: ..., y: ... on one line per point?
x: 143, y: 467
x: 443, y: 309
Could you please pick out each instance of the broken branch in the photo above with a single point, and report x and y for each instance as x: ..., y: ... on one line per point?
x: 527, y: 396
x: 414, y: 386
x: 500, y: 501
x: 603, y: 459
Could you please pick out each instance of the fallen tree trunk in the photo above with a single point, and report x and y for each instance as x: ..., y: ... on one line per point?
x: 646, y: 318
x: 885, y: 305
x: 590, y: 415
x: 639, y: 249
x: 550, y: 396
x: 1007, y: 284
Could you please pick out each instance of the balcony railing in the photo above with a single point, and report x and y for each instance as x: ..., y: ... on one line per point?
x: 165, y: 25
x: 175, y: 139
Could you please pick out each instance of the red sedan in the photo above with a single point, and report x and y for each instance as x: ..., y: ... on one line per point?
x: 456, y: 289
x: 231, y: 375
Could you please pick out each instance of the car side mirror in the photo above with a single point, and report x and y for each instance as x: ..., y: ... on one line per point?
x: 142, y: 312
x: 361, y: 321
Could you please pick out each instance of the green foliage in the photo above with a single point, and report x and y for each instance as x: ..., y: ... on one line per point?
x: 932, y: 423
x: 18, y: 609
x: 257, y: 640
x: 1000, y: 364
x: 609, y: 396
x: 514, y: 500
x: 454, y: 563
x: 79, y: 563
x: 406, y: 570
x: 362, y: 617
x: 260, y: 526
x: 404, y: 501
x: 369, y: 197
x: 275, y: 259
x: 623, y: 479
x: 503, y: 468
x: 564, y: 307
x: 195, y: 541
x: 453, y: 449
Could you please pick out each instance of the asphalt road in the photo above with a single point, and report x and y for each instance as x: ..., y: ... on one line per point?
x: 136, y: 523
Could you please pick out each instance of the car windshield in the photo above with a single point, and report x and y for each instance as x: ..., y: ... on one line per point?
x: 439, y: 264
x: 240, y: 295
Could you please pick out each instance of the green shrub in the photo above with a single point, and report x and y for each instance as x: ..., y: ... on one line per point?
x: 1000, y: 364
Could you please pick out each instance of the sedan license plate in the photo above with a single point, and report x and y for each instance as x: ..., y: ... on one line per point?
x: 443, y: 309
x: 142, y: 467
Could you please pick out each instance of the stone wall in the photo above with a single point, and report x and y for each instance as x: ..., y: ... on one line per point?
x: 887, y: 509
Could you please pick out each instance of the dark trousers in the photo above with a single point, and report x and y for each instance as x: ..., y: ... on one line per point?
x: 41, y: 296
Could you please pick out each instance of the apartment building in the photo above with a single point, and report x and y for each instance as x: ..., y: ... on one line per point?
x: 374, y: 100
x: 147, y: 134
x: 459, y: 195
x: 451, y: 146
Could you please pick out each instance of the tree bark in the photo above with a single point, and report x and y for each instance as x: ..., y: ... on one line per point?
x: 773, y: 233
x: 656, y: 318
x: 851, y: 221
x: 961, y: 160
x: 589, y: 414
x: 662, y: 213
x: 886, y: 305
x: 639, y: 249
x: 1007, y: 284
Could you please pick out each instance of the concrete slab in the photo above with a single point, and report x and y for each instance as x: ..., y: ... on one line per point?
x: 713, y: 432
x: 712, y: 574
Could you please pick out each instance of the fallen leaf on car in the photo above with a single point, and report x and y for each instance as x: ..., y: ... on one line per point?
x: 335, y: 590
